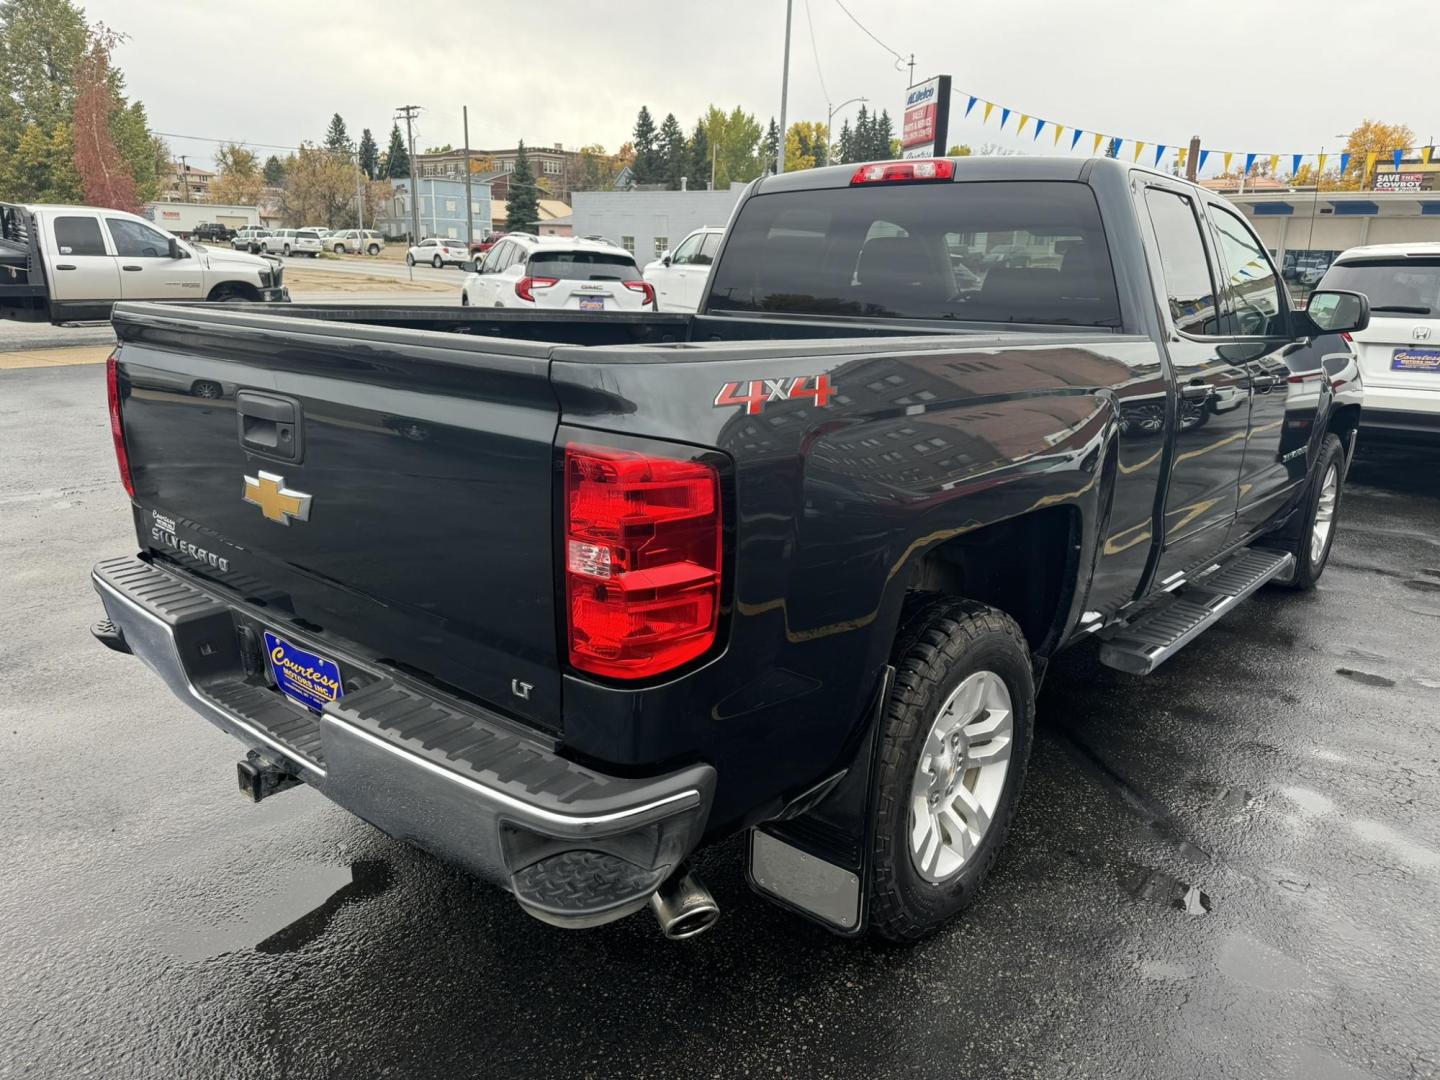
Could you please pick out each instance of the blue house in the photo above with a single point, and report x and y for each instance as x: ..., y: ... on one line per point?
x: 442, y: 208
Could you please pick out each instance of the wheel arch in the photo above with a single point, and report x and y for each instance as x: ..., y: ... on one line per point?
x: 242, y: 289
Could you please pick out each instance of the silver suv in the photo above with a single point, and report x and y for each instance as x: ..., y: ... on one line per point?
x: 354, y: 241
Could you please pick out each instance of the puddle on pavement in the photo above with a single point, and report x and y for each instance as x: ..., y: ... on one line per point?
x: 286, y: 919
x: 1146, y: 883
x: 1252, y: 962
x: 1311, y: 803
x: 1365, y: 678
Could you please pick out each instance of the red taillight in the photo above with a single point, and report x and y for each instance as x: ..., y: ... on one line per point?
x: 642, y: 560
x: 644, y: 288
x: 524, y: 286
x: 117, y: 427
x: 882, y: 172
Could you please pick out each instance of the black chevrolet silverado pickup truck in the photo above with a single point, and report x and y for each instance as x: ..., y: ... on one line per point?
x: 561, y: 597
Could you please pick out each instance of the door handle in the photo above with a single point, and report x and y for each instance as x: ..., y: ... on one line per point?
x: 1197, y: 389
x: 132, y: 268
x: 1263, y: 384
x: 270, y: 425
x: 64, y: 266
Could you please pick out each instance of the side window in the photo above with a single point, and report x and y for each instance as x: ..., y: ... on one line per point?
x: 709, y: 248
x: 1182, y: 261
x: 1253, y: 285
x: 495, y: 260
x: 78, y: 236
x: 687, y: 251
x: 135, y: 241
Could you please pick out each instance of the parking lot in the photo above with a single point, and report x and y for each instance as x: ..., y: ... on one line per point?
x: 1230, y: 868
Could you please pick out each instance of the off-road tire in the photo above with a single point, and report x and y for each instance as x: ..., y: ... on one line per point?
x: 1296, y: 539
x: 940, y: 643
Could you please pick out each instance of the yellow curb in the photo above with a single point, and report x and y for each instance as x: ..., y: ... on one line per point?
x: 75, y: 354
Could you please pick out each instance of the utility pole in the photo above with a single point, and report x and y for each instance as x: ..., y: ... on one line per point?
x: 714, y: 149
x: 784, y: 90
x: 1192, y: 159
x: 185, y: 176
x: 409, y: 112
x: 912, y: 71
x: 469, y: 206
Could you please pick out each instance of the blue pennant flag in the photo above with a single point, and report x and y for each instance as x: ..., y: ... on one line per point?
x: 1159, y: 153
x: 1295, y: 163
x: 1249, y: 162
x: 1399, y: 157
x: 1075, y: 138
x: 1115, y: 146
x: 1200, y: 165
x: 1004, y: 115
x: 1344, y: 163
x: 1039, y: 127
x: 971, y: 104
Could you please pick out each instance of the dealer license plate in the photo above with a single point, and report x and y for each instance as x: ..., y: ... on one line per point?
x: 304, y: 677
x: 592, y: 303
x: 1416, y: 360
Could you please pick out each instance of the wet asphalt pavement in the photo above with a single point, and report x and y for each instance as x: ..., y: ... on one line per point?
x: 1229, y: 869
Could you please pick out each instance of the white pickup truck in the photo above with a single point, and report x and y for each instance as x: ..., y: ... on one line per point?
x: 71, y: 263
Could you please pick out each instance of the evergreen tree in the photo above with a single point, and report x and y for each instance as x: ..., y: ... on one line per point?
x: 845, y: 147
x: 883, y: 135
x: 862, y: 138
x: 369, y: 155
x: 397, y: 158
x: 337, y: 138
x: 671, y: 150
x: 522, y: 208
x: 770, y: 147
x: 647, y: 165
x: 698, y: 151
x: 274, y: 171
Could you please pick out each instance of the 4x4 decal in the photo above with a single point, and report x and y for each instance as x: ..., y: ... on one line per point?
x: 754, y: 395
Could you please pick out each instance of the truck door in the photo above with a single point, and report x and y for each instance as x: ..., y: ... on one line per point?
x: 1210, y: 415
x: 147, y: 272
x: 84, y: 277
x: 1256, y: 315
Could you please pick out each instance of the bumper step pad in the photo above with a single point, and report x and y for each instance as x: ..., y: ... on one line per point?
x: 584, y: 888
x: 1141, y: 646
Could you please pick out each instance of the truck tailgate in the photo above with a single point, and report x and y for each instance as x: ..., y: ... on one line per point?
x: 407, y: 514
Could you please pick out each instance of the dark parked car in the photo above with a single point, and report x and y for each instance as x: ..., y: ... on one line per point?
x: 562, y: 597
x: 214, y: 232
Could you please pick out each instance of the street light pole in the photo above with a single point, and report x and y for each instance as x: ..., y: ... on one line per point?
x: 469, y: 206
x: 830, y: 118
x: 784, y: 90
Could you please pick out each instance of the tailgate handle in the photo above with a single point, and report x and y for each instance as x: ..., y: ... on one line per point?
x: 270, y: 425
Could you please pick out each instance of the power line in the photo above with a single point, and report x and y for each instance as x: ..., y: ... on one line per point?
x: 218, y: 142
x: 868, y: 34
x: 815, y: 49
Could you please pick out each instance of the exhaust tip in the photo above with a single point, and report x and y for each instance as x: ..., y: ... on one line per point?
x: 684, y: 907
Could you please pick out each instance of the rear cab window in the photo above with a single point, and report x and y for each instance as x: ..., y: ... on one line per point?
x: 78, y: 236
x: 1029, y: 252
x: 583, y: 266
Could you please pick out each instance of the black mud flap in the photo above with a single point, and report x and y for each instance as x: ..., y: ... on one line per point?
x: 815, y: 858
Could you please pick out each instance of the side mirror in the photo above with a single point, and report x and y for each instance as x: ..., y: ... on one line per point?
x: 1333, y: 311
x: 665, y: 258
x: 175, y: 252
x: 470, y: 266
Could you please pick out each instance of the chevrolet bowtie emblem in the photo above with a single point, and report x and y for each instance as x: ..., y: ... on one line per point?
x: 277, y: 502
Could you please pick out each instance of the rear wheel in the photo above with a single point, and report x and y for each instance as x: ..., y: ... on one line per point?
x: 339, y: 249
x: 1313, y: 535
x: 954, y: 746
x: 409, y: 259
x: 285, y: 251
x: 437, y: 262
x: 373, y: 249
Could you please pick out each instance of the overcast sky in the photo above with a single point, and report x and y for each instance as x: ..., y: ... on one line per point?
x: 1262, y: 75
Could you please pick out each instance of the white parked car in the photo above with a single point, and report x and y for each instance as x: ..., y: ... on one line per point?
x: 1400, y: 350
x: 679, y: 276
x: 438, y: 251
x: 247, y: 237
x: 354, y: 241
x: 558, y: 273
x: 291, y: 242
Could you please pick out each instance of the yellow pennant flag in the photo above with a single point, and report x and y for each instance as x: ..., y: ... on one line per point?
x: 1023, y: 121
x: 989, y: 107
x: 1320, y: 163
x: 1061, y: 127
x: 1425, y: 154
x: 1096, y: 147
x: 1370, y: 163
x: 1180, y: 155
x: 1228, y: 156
x: 1274, y: 164
x: 1139, y: 146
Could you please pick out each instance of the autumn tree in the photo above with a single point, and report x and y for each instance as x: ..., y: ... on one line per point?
x: 238, y: 176
x: 734, y: 138
x: 804, y: 145
x: 105, y: 177
x: 319, y: 187
x: 1369, y: 137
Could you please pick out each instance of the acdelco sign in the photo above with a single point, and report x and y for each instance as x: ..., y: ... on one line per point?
x: 920, y: 95
x: 927, y: 114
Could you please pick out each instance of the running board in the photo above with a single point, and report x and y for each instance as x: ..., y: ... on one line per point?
x: 1141, y: 646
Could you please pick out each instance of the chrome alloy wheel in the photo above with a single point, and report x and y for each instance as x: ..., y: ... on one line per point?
x: 960, y: 775
x: 1325, y: 514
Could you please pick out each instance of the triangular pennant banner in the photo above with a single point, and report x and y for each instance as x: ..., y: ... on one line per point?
x: 1023, y: 121
x: 1004, y: 115
x: 1115, y: 145
x: 1075, y: 138
x: 1425, y: 154
x: 1295, y: 163
x: 1399, y: 157
x: 1370, y: 163
x: 1249, y: 163
x: 1039, y: 127
x: 1320, y: 162
x: 1181, y: 153
x: 1274, y: 164
x: 971, y: 104
x: 1228, y: 156
x: 989, y: 106
x: 1139, y: 146
x: 1060, y: 130
x: 1159, y: 153
x: 1096, y: 147
x: 1200, y: 165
